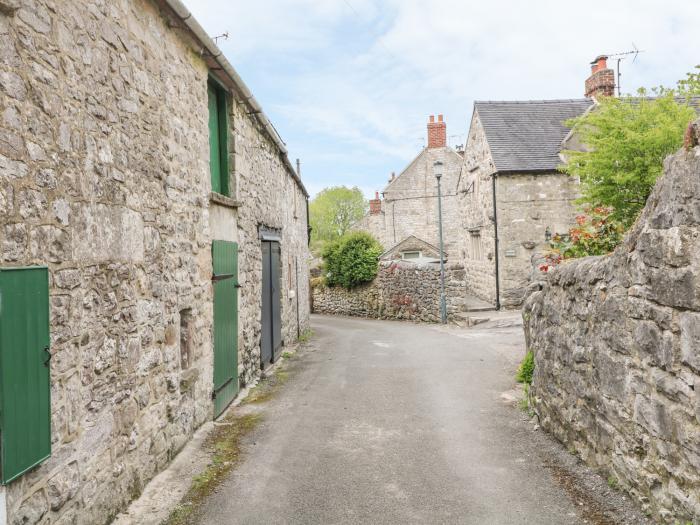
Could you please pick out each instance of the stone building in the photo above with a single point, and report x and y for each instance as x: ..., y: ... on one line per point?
x: 153, y: 249
x: 510, y: 190
x: 512, y: 195
x: 409, y: 207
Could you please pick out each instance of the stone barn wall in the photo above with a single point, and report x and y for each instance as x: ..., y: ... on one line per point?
x: 401, y: 290
x: 104, y: 178
x: 617, y: 351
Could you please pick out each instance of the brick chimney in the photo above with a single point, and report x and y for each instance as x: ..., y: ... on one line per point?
x: 437, y: 132
x: 375, y: 205
x: 601, y: 83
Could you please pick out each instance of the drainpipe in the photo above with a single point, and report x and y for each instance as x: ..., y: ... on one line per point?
x: 296, y: 282
x: 495, y: 238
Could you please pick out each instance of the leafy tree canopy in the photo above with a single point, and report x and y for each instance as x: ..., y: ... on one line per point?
x: 333, y: 211
x: 627, y: 140
x: 351, y: 260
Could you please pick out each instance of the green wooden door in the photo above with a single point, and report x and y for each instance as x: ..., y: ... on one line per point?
x: 25, y: 405
x: 225, y: 259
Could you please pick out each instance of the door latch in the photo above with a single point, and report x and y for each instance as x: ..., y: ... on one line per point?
x: 49, y: 356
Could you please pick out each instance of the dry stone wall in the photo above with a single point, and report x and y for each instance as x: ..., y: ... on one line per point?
x: 617, y: 351
x: 401, y: 290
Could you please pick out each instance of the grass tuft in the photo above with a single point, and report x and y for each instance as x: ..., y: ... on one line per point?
x: 526, y: 369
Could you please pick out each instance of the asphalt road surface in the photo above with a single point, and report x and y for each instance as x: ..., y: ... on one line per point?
x: 395, y: 423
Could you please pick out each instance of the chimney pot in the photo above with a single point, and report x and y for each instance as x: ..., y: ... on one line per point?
x: 601, y: 83
x: 375, y: 205
x: 439, y: 118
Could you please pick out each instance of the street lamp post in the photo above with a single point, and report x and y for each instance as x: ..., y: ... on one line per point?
x: 437, y: 168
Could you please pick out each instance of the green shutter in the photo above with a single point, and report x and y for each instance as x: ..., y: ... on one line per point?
x: 218, y: 138
x: 214, y: 142
x: 25, y: 406
x: 225, y: 260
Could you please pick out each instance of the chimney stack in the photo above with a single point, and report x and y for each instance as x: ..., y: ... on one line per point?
x: 601, y: 83
x: 375, y: 205
x: 437, y: 132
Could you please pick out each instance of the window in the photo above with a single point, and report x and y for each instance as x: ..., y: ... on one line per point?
x: 476, y: 246
x: 25, y: 406
x: 410, y: 255
x: 218, y: 138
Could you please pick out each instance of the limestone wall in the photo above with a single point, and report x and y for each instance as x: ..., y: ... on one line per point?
x: 401, y: 290
x: 617, y: 351
x: 104, y: 178
x: 269, y: 199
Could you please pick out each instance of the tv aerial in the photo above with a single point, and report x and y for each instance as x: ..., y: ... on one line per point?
x: 622, y: 56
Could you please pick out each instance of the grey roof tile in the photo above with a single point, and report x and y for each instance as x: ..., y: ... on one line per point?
x: 527, y: 135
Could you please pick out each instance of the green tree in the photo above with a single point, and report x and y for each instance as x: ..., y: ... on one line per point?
x: 690, y: 85
x: 333, y: 211
x: 627, y: 140
x: 351, y: 260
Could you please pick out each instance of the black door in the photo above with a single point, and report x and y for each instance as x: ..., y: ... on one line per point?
x: 271, y: 336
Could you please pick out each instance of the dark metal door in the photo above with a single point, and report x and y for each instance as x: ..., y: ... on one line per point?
x: 276, y: 270
x: 266, y: 334
x: 271, y: 335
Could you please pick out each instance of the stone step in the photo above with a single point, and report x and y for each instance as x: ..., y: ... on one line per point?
x: 468, y: 319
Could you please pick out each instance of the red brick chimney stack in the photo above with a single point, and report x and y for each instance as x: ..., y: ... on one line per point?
x: 601, y: 83
x: 437, y: 132
x: 375, y: 205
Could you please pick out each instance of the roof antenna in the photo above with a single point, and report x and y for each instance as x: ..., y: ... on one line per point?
x: 222, y: 35
x: 620, y: 57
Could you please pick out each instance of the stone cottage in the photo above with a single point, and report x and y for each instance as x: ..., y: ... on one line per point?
x: 153, y: 249
x: 408, y: 208
x: 512, y: 196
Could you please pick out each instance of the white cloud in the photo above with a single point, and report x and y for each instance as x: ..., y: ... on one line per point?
x: 357, y: 83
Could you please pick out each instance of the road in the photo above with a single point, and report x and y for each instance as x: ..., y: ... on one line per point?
x: 396, y: 423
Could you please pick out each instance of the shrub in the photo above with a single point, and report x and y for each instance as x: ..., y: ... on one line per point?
x: 351, y: 260
x: 526, y: 369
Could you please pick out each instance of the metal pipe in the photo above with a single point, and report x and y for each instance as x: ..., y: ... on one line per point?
x: 443, y: 302
x: 495, y: 238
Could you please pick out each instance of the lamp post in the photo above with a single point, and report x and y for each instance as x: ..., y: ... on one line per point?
x: 437, y: 169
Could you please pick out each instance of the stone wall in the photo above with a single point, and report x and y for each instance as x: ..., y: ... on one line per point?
x: 104, y: 178
x: 269, y: 199
x: 401, y: 290
x: 617, y: 351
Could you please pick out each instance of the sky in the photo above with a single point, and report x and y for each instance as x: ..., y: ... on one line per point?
x: 350, y: 84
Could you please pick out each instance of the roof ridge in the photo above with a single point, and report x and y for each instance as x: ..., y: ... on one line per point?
x: 543, y: 101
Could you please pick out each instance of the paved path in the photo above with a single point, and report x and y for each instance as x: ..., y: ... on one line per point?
x: 395, y: 423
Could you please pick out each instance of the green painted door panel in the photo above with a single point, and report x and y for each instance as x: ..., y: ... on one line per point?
x: 214, y: 141
x: 225, y: 260
x: 25, y: 406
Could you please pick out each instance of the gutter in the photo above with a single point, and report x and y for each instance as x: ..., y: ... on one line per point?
x: 218, y: 56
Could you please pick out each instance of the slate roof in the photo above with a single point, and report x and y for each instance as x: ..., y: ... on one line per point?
x: 527, y: 135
